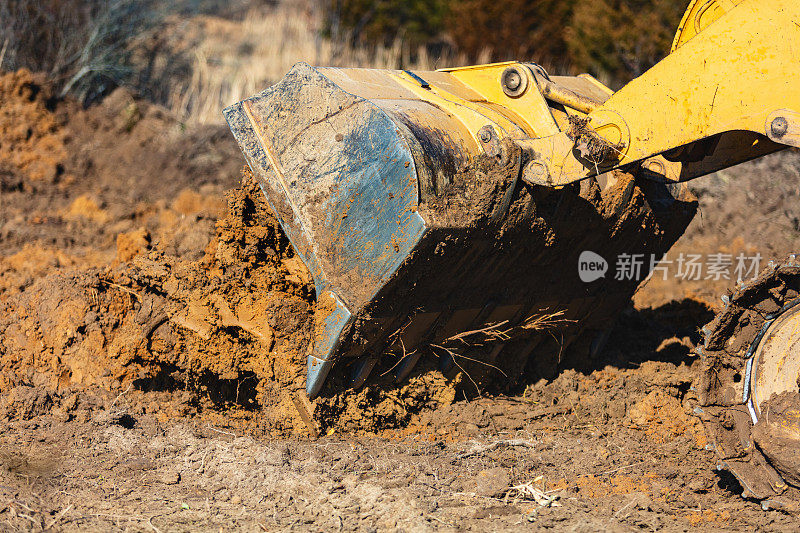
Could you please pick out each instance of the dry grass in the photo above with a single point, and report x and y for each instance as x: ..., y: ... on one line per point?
x: 501, y: 332
x: 235, y: 59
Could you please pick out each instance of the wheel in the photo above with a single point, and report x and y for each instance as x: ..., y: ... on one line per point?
x: 747, y: 386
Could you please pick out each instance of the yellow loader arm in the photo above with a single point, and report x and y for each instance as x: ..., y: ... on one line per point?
x: 727, y: 93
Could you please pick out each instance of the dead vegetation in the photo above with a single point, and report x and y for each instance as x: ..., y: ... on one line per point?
x: 82, y: 46
x: 230, y: 60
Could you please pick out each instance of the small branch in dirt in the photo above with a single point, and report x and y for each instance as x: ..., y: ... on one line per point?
x: 3, y: 52
x: 122, y: 288
x: 405, y: 355
x: 491, y: 330
x: 455, y: 362
x: 455, y: 354
x: 202, y: 463
x: 17, y: 502
x: 119, y: 396
x: 222, y: 432
x: 150, y: 523
x: 124, y: 516
x: 58, y: 517
x: 528, y: 491
x: 481, y: 449
x: 538, y: 322
x: 496, y: 333
x: 620, y: 468
x: 29, y: 517
x: 305, y: 410
x: 625, y: 507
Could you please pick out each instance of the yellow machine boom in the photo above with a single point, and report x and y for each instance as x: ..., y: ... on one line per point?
x: 725, y: 94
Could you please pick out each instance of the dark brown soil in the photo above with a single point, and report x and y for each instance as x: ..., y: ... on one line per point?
x: 152, y: 357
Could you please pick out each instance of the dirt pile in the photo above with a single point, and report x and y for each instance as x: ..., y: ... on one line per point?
x: 229, y: 329
x: 72, y: 179
x: 132, y: 279
x: 229, y: 322
x: 119, y: 271
x: 149, y: 329
x: 32, y: 150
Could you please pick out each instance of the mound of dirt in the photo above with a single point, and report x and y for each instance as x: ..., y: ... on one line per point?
x: 119, y: 271
x: 229, y: 329
x: 73, y: 179
x: 224, y: 336
x: 134, y: 278
x: 32, y: 151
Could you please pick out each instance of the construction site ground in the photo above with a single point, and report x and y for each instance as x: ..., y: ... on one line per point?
x: 153, y: 325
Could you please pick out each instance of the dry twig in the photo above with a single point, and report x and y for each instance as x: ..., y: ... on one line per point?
x: 222, y: 432
x: 481, y: 449
x: 122, y: 288
x: 58, y: 517
x: 530, y: 492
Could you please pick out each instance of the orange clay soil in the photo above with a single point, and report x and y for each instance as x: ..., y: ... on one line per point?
x: 231, y: 328
x: 162, y: 294
x: 33, y: 147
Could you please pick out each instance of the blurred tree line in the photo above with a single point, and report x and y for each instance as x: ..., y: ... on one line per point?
x: 613, y: 39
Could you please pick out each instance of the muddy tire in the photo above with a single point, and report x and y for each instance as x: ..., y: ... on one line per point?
x: 756, y: 438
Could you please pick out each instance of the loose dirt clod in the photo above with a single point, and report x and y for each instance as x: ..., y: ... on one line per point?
x: 33, y: 150
x: 227, y: 326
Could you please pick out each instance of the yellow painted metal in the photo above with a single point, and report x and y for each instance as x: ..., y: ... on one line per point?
x: 602, y: 91
x: 699, y: 15
x: 472, y: 115
x: 730, y: 77
x: 530, y: 109
x: 473, y: 95
x: 723, y: 85
x: 483, y: 102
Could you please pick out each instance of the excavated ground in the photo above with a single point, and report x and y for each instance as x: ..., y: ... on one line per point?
x: 153, y: 332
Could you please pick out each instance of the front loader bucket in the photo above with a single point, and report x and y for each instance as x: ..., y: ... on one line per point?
x: 401, y: 194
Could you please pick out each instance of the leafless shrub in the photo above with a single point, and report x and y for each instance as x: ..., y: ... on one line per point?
x: 82, y: 45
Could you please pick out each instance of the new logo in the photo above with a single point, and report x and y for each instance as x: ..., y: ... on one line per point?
x: 591, y: 266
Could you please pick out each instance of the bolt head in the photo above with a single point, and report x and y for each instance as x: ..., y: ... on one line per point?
x: 779, y: 127
x: 486, y: 136
x: 513, y: 81
x: 535, y: 173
